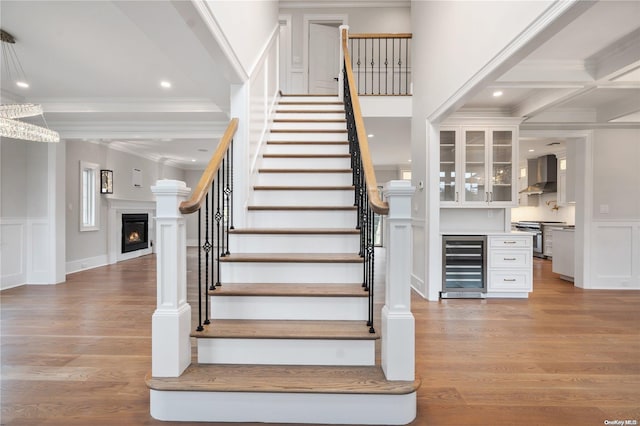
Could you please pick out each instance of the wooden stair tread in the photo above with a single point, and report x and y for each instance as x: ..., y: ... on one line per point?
x: 296, y: 231
x: 310, y: 120
x: 307, y: 143
x: 293, y: 257
x: 290, y: 290
x: 279, y: 329
x: 308, y: 131
x: 283, y: 379
x: 305, y: 171
x: 310, y: 103
x: 303, y: 208
x: 306, y: 155
x: 310, y: 111
x: 303, y: 188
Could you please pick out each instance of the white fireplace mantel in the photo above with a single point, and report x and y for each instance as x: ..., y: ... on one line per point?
x: 118, y: 207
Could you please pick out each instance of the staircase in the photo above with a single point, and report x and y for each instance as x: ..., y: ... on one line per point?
x: 288, y: 340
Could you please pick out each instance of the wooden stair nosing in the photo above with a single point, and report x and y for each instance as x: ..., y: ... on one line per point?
x: 309, y: 111
x: 303, y: 188
x: 308, y: 131
x: 306, y: 155
x: 310, y: 103
x: 309, y: 95
x: 310, y: 120
x: 305, y: 170
x: 292, y: 258
x: 295, y: 231
x: 290, y: 290
x: 276, y: 142
x: 286, y: 329
x: 283, y: 379
x: 303, y: 208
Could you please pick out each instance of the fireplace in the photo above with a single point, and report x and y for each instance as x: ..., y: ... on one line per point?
x: 135, y: 232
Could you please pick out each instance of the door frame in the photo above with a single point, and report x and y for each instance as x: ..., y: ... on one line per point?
x: 308, y: 19
x: 285, y: 54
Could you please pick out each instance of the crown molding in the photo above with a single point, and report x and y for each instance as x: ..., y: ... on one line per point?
x: 88, y: 105
x: 332, y: 4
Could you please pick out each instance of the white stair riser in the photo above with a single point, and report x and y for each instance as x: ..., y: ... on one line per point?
x: 303, y: 198
x: 276, y: 272
x: 310, y: 115
x: 305, y: 163
x: 309, y: 125
x: 286, y: 351
x: 302, y: 219
x: 302, y: 136
x: 268, y: 407
x: 289, y: 308
x: 306, y: 148
x: 299, y: 243
x: 306, y: 179
x: 314, y: 99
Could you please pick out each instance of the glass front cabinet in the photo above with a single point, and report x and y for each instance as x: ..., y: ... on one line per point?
x: 477, y: 166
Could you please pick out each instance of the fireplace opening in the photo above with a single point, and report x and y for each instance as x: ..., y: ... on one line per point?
x: 135, y: 230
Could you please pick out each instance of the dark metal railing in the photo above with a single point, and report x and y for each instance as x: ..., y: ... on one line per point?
x: 381, y: 63
x: 213, y: 199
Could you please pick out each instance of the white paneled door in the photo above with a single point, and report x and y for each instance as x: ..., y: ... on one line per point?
x: 324, y: 55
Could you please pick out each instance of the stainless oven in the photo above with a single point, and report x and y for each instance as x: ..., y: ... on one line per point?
x: 534, y: 228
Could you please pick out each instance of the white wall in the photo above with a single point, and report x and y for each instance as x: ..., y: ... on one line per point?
x: 615, y: 230
x: 28, y: 219
x: 247, y: 25
x: 90, y: 248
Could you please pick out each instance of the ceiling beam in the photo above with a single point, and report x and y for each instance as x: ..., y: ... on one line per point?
x: 616, y: 59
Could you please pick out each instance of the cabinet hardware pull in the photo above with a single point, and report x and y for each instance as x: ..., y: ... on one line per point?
x: 486, y: 197
x: 456, y: 196
x: 509, y: 279
x: 509, y: 242
x: 509, y: 258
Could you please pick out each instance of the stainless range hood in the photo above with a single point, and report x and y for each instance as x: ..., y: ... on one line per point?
x: 542, y: 175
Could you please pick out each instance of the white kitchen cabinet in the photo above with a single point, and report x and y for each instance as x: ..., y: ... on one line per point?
x: 478, y: 166
x: 510, y: 263
x: 562, y: 179
x: 564, y: 261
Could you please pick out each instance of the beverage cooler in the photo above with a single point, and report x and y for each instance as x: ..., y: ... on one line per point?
x: 464, y: 266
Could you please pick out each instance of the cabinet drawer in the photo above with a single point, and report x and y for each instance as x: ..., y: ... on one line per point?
x: 509, y: 280
x: 516, y: 241
x: 510, y: 259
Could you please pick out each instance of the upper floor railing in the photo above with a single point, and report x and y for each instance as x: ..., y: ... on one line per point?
x: 381, y: 63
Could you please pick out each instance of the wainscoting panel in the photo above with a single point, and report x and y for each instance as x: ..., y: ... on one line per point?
x: 419, y: 257
x: 615, y: 255
x: 38, y: 259
x: 13, y: 263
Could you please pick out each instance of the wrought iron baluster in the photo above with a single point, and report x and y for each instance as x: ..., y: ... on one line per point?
x: 231, y: 193
x: 393, y: 66
x: 406, y: 66
x: 227, y: 193
x: 386, y: 66
x: 359, y: 65
x: 379, y: 71
x: 370, y: 260
x: 223, y: 239
x: 207, y: 250
x: 218, y: 217
x: 365, y: 66
x: 200, y: 327
x: 372, y: 64
x: 399, y: 66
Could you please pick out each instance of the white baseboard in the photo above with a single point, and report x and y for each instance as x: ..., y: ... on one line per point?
x: 12, y: 282
x: 417, y: 285
x: 87, y: 263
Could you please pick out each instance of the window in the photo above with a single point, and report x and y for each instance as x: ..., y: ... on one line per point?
x: 89, y: 201
x: 406, y: 174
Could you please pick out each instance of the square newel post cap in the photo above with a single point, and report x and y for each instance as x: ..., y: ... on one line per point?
x: 398, y: 194
x: 170, y: 186
x: 169, y: 194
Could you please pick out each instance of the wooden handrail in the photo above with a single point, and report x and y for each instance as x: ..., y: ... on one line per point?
x: 377, y: 204
x: 198, y: 195
x: 382, y: 35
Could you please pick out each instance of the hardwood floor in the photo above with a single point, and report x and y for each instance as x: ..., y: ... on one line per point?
x: 77, y: 353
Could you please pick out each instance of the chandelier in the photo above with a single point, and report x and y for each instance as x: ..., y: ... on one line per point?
x: 10, y: 126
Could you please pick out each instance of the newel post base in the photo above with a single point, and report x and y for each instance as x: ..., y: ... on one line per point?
x: 398, y: 323
x: 171, y: 322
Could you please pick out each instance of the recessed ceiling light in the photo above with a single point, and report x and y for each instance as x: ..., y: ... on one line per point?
x: 193, y: 160
x: 371, y: 135
x: 165, y: 84
x: 497, y: 93
x: 409, y: 160
x: 22, y: 84
x: 532, y: 150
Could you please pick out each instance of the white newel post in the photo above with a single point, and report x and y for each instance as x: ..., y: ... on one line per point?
x: 341, y: 63
x: 398, y: 324
x: 171, y: 322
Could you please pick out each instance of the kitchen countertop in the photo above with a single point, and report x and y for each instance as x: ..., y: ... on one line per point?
x: 488, y: 233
